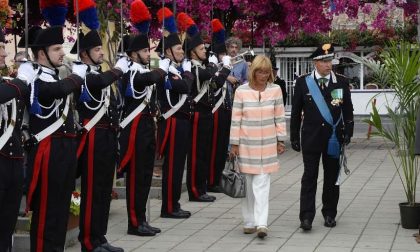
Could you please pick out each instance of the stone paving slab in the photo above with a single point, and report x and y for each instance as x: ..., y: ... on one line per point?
x: 367, y: 220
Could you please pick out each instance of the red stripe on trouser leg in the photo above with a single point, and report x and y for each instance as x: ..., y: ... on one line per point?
x: 214, y: 148
x: 165, y: 137
x: 81, y: 144
x: 131, y: 142
x: 133, y: 216
x: 171, y: 164
x: 89, y: 191
x: 36, y: 169
x: 82, y: 141
x: 194, y: 156
x: 44, y: 196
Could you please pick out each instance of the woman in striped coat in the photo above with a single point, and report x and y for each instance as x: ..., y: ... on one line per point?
x: 257, y: 133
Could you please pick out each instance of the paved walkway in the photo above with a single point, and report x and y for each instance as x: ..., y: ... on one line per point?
x: 368, y: 214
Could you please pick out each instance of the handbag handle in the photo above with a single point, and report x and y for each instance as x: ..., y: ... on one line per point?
x: 233, y: 164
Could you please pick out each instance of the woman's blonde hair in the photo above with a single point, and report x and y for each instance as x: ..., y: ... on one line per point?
x: 260, y: 62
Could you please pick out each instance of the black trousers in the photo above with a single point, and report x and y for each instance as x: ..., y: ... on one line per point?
x: 330, y: 191
x: 199, y: 154
x: 138, y: 159
x: 97, y: 166
x: 220, y: 143
x: 174, y: 135
x: 50, y: 191
x: 11, y: 187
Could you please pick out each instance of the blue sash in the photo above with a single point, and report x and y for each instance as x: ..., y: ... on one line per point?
x: 333, y: 144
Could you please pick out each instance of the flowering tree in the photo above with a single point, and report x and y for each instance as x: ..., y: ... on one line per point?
x: 269, y: 21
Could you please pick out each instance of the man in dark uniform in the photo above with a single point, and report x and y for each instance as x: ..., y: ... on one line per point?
x: 222, y: 114
x: 97, y: 150
x: 12, y: 95
x: 324, y: 98
x: 137, y: 139
x: 52, y: 157
x: 279, y: 81
x: 206, y: 80
x: 174, y: 131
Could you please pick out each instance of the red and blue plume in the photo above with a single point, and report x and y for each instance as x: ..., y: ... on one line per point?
x: 54, y: 11
x: 219, y: 33
x: 165, y: 15
x: 140, y: 16
x: 87, y: 13
x: 186, y: 24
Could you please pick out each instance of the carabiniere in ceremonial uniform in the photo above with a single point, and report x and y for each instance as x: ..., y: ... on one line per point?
x: 174, y: 126
x: 207, y: 79
x: 12, y: 105
x: 97, y: 148
x: 52, y: 155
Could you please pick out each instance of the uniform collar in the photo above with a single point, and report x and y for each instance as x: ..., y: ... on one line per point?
x: 317, y: 75
x: 48, y: 70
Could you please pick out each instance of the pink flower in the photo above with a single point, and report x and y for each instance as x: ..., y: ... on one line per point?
x: 362, y: 27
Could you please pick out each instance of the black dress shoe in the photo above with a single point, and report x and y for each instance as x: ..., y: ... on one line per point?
x: 215, y: 189
x: 140, y: 231
x: 203, y: 198
x: 176, y: 215
x: 111, y: 248
x: 184, y: 211
x: 306, y: 225
x: 97, y: 249
x: 330, y: 222
x: 154, y: 229
x: 211, y: 196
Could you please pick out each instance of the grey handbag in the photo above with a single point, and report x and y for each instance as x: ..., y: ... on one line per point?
x: 232, y: 182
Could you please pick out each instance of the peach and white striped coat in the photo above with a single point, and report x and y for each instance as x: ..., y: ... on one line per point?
x: 258, y: 122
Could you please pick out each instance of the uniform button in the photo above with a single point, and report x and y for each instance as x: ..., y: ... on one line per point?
x: 64, y: 124
x: 11, y: 144
x: 20, y: 110
x: 11, y: 153
x: 110, y: 110
x: 110, y: 124
x: 65, y: 132
x: 323, y: 124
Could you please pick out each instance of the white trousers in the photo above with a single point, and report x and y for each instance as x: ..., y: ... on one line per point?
x: 255, y: 204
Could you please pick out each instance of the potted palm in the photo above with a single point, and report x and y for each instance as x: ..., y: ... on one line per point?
x: 398, y: 67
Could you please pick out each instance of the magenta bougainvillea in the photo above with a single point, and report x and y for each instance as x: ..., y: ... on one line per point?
x: 263, y: 20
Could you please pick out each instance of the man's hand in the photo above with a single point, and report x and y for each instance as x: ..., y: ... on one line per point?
x: 227, y: 62
x: 80, y: 69
x: 233, y: 80
x: 124, y: 64
x: 186, y: 65
x: 347, y: 139
x: 213, y: 59
x: 296, y: 146
x: 164, y: 64
x: 28, y: 71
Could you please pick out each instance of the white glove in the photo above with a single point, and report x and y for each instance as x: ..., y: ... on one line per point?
x: 27, y: 72
x: 123, y: 64
x: 79, y: 69
x: 186, y: 65
x: 213, y: 59
x: 227, y: 61
x: 164, y: 64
